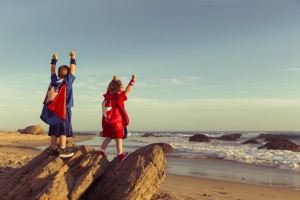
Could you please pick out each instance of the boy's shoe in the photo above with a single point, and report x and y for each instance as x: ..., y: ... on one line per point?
x: 65, y: 153
x: 101, y: 153
x: 53, y: 152
x: 123, y: 156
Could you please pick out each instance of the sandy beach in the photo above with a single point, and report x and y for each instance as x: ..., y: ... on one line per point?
x: 17, y: 149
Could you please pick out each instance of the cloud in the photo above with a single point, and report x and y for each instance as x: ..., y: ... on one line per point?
x: 215, y: 103
x: 263, y: 88
x: 293, y: 69
x: 169, y: 82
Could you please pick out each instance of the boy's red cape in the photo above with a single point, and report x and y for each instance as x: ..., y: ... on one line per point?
x: 58, y: 105
x: 114, y: 116
x: 54, y: 109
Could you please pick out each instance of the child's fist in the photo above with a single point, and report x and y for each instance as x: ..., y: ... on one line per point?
x: 115, y: 78
x: 133, y: 77
x: 55, y: 56
x: 72, y: 54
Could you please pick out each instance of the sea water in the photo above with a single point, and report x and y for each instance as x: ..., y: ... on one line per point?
x: 216, y: 149
x: 219, y: 159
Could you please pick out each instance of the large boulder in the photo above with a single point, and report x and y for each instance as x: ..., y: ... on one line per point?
x: 34, y: 130
x: 47, y: 177
x: 281, y: 144
x: 165, y: 147
x: 229, y: 137
x: 137, y: 177
x: 199, y: 138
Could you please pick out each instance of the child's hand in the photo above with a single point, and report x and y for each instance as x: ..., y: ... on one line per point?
x: 133, y: 77
x: 55, y: 56
x: 72, y: 54
x: 115, y: 78
x: 101, y: 133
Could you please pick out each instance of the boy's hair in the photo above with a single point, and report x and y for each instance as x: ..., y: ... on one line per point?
x: 63, y: 71
x: 115, y: 86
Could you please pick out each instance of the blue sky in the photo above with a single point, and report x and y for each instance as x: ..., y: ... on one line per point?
x: 201, y: 65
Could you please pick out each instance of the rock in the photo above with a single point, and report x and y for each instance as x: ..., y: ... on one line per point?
x: 290, y: 136
x: 165, y: 147
x: 137, y: 177
x: 55, y: 178
x: 252, y: 141
x: 229, y: 137
x: 199, y: 138
x: 148, y: 135
x: 154, y: 135
x: 281, y: 144
x: 34, y: 130
x: 273, y: 138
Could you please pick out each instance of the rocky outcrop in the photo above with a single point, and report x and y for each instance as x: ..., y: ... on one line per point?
x: 47, y: 177
x: 229, y: 137
x: 87, y: 175
x: 199, y: 138
x: 137, y: 177
x: 148, y: 135
x: 281, y: 144
x: 154, y: 135
x: 165, y: 147
x: 252, y: 141
x: 34, y: 130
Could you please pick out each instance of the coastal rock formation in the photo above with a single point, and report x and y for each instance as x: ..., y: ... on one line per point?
x: 148, y: 135
x: 165, y: 147
x: 199, y: 138
x: 154, y: 135
x: 137, y: 177
x: 34, y: 130
x: 47, y: 177
x: 281, y: 144
x: 229, y: 137
x: 252, y: 141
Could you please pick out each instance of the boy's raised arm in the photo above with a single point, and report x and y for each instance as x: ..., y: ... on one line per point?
x: 72, y: 62
x: 130, y: 85
x: 53, y: 63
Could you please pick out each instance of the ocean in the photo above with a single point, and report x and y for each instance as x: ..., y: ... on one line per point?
x: 219, y: 159
x: 216, y: 149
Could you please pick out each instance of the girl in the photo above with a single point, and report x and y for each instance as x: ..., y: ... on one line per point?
x: 115, y: 119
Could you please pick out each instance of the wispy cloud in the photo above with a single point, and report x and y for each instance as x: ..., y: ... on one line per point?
x: 296, y: 69
x: 185, y: 80
x: 196, y: 103
x: 263, y: 88
x: 169, y: 82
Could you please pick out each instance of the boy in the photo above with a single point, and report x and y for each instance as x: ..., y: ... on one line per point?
x: 57, y: 106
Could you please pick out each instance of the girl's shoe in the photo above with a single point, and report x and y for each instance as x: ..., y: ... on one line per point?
x: 101, y: 153
x: 123, y: 156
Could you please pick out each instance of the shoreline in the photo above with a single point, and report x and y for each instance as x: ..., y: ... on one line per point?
x: 227, y: 170
x: 186, y: 187
x: 18, y: 149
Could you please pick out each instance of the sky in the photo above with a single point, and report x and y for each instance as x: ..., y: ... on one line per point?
x: 201, y: 65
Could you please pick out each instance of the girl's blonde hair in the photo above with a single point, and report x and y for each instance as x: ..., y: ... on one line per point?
x: 115, y: 86
x: 63, y: 71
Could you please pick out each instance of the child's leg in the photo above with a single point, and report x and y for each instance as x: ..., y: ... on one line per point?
x: 63, y: 141
x: 122, y: 156
x: 119, y: 145
x: 105, y: 143
x: 53, y: 142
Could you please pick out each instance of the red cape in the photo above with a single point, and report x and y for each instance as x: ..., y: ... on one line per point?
x: 58, y: 105
x: 114, y: 116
